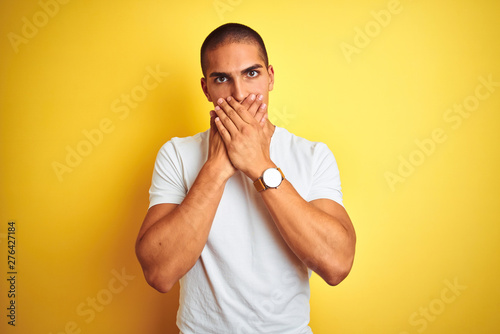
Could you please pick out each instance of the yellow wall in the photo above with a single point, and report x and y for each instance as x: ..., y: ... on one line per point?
x: 398, y: 90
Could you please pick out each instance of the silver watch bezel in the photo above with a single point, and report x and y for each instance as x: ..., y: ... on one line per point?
x: 272, y: 178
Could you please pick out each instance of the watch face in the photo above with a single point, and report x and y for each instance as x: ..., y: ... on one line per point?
x: 272, y: 177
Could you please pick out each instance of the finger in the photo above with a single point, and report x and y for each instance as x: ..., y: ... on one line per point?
x: 261, y: 114
x: 226, y: 137
x: 228, y: 116
x: 254, y: 107
x: 263, y: 121
x: 226, y: 120
x: 213, y: 127
x: 241, y: 114
x: 247, y: 102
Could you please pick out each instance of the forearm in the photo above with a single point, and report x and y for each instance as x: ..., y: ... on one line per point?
x: 172, y: 245
x: 324, y: 242
x: 320, y: 232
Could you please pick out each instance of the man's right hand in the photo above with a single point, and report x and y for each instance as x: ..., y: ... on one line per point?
x: 217, y: 153
x: 172, y: 236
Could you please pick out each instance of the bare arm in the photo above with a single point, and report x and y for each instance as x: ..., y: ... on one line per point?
x: 319, y: 232
x: 173, y: 236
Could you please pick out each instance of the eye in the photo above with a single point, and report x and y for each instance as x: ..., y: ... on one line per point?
x: 220, y: 79
x: 253, y: 73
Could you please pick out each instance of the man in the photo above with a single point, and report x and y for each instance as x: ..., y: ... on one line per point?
x: 243, y: 212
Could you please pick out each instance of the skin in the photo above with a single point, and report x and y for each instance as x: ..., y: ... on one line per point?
x: 173, y: 236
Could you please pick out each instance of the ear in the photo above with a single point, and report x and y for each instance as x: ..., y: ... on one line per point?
x: 270, y: 71
x: 205, y: 89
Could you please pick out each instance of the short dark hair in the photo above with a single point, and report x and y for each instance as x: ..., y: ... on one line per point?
x: 231, y: 33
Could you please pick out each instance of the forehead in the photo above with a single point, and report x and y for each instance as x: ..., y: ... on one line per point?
x: 233, y: 57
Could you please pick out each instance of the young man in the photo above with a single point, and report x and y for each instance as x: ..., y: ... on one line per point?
x: 242, y: 212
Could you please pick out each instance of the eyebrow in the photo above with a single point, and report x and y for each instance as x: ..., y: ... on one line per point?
x: 248, y: 69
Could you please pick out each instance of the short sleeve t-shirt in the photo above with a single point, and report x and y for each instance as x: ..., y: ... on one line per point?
x: 247, y: 280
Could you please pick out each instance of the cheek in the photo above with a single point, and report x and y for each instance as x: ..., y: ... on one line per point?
x: 258, y: 87
x: 217, y: 92
x: 262, y: 88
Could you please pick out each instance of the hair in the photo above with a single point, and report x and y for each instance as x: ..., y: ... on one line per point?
x: 231, y: 33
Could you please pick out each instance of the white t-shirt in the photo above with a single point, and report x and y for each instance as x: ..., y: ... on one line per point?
x: 247, y: 280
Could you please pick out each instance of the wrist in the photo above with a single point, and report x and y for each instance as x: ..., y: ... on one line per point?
x: 271, y: 178
x: 255, y: 172
x: 219, y: 172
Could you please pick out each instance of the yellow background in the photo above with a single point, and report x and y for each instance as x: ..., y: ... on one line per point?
x: 438, y: 227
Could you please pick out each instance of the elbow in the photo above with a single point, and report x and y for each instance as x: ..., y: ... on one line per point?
x: 161, y: 286
x: 158, y: 282
x: 335, y: 278
x: 340, y: 264
x: 338, y: 271
x: 156, y: 277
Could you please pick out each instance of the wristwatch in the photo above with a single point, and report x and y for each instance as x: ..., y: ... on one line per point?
x: 271, y: 178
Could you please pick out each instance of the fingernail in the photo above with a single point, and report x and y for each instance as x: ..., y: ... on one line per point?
x: 217, y: 108
x: 260, y: 97
x: 263, y: 106
x: 252, y: 97
x: 220, y: 100
x: 229, y: 98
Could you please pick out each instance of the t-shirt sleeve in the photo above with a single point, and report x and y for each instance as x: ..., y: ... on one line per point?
x: 326, y: 177
x: 167, y: 185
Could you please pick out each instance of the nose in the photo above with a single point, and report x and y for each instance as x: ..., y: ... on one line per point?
x: 238, y: 90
